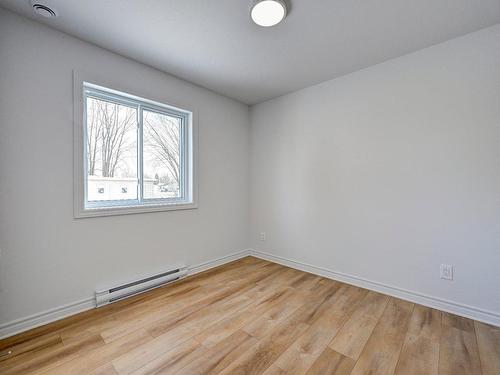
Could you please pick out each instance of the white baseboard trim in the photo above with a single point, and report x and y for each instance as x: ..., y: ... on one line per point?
x: 218, y: 262
x: 467, y: 311
x: 44, y: 317
x: 36, y: 320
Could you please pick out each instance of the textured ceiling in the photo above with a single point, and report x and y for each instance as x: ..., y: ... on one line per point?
x: 214, y: 44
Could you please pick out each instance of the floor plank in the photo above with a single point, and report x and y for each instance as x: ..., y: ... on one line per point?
x: 215, y: 359
x: 106, y: 369
x: 262, y: 355
x: 49, y: 358
x: 488, y: 338
x: 300, y: 356
x: 381, y: 352
x: 459, y: 353
x: 24, y: 349
x: 420, y: 353
x: 169, y: 362
x: 261, y: 324
x: 331, y: 362
x: 274, y: 370
x: 282, y: 335
x: 92, y: 360
x: 458, y: 322
x: 274, y: 306
x: 353, y: 336
x: 141, y: 355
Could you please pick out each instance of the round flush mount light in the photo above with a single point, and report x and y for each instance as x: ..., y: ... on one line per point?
x: 42, y: 8
x: 268, y: 12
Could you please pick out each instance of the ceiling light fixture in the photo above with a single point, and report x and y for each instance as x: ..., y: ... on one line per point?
x: 268, y: 12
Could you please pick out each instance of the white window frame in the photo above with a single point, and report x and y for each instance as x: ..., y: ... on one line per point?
x: 86, y: 85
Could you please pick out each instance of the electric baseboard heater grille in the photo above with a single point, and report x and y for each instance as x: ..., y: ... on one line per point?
x: 116, y: 293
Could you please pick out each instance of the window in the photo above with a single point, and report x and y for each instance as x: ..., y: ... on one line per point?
x: 137, y: 154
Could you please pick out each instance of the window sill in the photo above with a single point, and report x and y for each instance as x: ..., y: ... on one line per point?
x: 128, y: 210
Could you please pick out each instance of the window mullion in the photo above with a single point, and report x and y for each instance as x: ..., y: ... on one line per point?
x: 140, y: 153
x: 183, y: 157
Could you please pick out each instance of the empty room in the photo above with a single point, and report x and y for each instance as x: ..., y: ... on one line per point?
x: 250, y: 187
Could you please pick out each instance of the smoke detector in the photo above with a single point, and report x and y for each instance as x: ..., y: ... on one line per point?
x: 43, y: 8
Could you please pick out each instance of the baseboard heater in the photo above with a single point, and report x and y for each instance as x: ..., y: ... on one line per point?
x: 119, y: 292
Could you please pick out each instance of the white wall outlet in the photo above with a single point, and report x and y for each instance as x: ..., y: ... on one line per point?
x: 262, y: 236
x: 446, y: 271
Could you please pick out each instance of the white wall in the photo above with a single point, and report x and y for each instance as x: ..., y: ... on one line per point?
x: 48, y: 258
x: 385, y: 173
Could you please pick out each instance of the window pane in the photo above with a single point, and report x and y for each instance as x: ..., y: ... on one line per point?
x: 162, y: 135
x: 111, y: 151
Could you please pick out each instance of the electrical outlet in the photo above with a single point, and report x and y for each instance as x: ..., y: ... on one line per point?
x: 446, y: 271
x: 262, y: 236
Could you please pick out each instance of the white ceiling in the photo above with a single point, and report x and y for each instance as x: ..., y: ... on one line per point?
x: 214, y: 44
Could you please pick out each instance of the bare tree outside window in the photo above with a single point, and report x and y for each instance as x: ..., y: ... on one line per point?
x: 162, y: 138
x: 94, y: 129
x: 117, y: 120
x: 108, y: 125
x: 111, y: 148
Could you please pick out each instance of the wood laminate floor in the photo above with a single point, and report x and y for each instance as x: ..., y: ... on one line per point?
x: 256, y: 317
